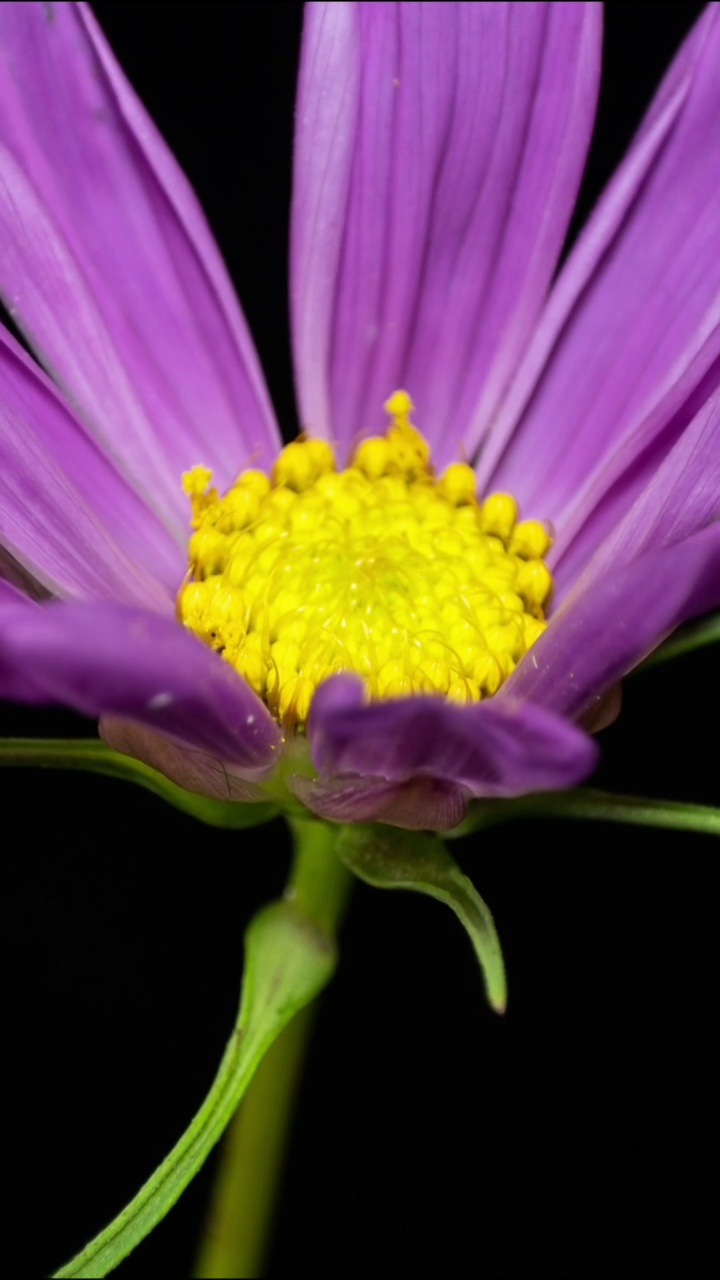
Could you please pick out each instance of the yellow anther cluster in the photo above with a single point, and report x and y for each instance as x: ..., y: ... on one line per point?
x: 381, y: 569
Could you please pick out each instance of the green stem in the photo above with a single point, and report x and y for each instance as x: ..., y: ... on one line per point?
x: 242, y: 1211
x: 319, y: 885
x: 603, y: 806
x: 244, y: 1199
x: 587, y: 804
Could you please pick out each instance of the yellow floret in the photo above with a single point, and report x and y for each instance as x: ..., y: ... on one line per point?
x: 498, y: 515
x: 379, y: 569
x: 530, y: 539
x: 458, y: 484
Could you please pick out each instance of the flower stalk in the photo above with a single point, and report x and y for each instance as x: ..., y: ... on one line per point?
x: 244, y: 1197
x: 245, y: 1194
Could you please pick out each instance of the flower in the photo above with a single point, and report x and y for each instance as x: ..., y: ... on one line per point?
x: 439, y: 149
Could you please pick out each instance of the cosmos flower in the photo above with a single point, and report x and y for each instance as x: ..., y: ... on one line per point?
x: 361, y: 622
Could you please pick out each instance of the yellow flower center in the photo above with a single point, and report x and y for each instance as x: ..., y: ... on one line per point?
x: 381, y: 569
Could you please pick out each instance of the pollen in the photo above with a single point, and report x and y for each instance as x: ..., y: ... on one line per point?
x: 384, y: 569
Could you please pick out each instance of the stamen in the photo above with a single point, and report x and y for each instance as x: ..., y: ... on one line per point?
x: 380, y: 569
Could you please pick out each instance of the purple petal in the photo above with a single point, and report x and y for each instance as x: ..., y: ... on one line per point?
x: 422, y: 804
x: 109, y: 267
x: 324, y: 137
x: 15, y: 575
x: 429, y: 137
x: 633, y: 326
x: 605, y: 629
x: 108, y: 660
x: 681, y: 498
x: 11, y: 592
x: 66, y: 516
x: 490, y: 748
x: 191, y: 768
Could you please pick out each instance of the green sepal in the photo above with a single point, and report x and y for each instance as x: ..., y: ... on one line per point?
x: 93, y: 756
x: 389, y: 858
x: 289, y: 959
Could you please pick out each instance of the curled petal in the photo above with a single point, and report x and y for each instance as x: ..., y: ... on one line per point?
x: 492, y: 748
x: 422, y: 804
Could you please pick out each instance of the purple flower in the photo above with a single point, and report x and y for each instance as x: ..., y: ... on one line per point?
x: 439, y: 151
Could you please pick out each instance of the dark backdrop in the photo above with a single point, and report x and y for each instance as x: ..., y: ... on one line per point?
x: 569, y: 1139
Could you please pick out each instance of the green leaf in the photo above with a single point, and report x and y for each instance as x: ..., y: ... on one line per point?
x: 389, y: 858
x: 93, y: 756
x: 587, y: 804
x: 289, y: 957
x: 695, y: 636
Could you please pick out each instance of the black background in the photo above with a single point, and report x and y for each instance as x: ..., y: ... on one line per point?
x: 571, y: 1138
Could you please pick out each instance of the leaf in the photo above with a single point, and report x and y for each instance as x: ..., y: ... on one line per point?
x: 288, y: 962
x: 389, y: 858
x: 587, y: 804
x: 95, y: 757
